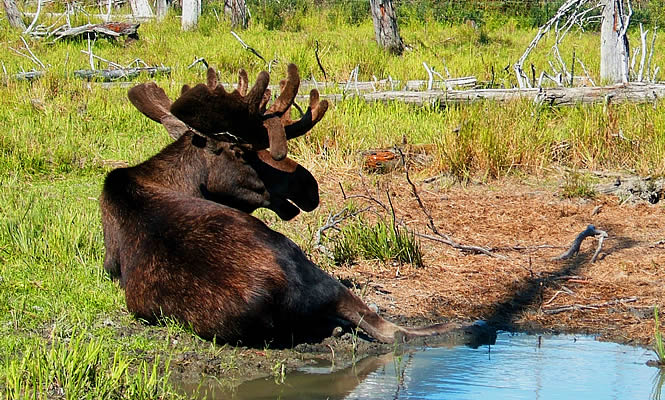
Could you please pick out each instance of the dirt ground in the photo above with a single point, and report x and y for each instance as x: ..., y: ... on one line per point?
x: 526, y: 224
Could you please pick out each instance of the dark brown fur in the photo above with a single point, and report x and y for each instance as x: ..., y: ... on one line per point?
x: 179, y: 238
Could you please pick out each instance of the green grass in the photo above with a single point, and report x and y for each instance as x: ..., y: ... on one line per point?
x: 53, y: 159
x: 659, y: 346
x: 577, y: 185
x: 378, y: 241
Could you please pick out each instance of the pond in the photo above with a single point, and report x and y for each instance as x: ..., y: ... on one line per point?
x: 517, y: 366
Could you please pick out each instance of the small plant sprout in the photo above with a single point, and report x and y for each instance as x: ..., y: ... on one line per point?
x: 659, y: 347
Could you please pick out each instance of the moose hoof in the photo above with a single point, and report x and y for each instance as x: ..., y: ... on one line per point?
x: 337, y: 332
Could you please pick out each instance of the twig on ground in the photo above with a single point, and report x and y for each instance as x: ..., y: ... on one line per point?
x: 110, y: 63
x: 318, y: 61
x: 198, y: 60
x: 32, y: 55
x: 445, y: 239
x: 34, y: 20
x: 582, y: 307
x: 601, y: 239
x: 575, y: 247
x: 440, y: 237
x: 246, y: 46
x: 331, y: 223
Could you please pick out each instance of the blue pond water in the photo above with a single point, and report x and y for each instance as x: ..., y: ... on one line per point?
x: 518, y: 366
x: 562, y: 367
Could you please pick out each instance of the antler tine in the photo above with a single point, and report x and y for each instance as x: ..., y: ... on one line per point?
x: 288, y: 92
x: 211, y: 76
x: 316, y: 110
x: 264, y: 101
x: 243, y: 82
x: 255, y: 96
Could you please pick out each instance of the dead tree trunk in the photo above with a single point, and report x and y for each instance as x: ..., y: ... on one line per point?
x: 13, y: 15
x: 386, y: 31
x: 141, y: 9
x: 237, y: 11
x: 161, y: 8
x: 614, y: 51
x: 191, y: 9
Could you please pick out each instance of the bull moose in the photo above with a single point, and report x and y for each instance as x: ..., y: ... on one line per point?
x: 179, y: 236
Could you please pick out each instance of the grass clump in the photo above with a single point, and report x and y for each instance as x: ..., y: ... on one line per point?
x: 659, y: 346
x: 577, y: 185
x: 380, y: 241
x: 79, y: 367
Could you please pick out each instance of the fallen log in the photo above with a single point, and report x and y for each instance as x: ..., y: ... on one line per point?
x: 111, y: 30
x: 29, y: 76
x: 634, y: 188
x: 378, y: 85
x: 115, y: 74
x: 559, y: 96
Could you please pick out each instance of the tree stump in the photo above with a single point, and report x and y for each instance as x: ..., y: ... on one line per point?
x: 141, y: 9
x: 191, y: 9
x: 614, y: 51
x: 13, y: 14
x: 237, y: 11
x: 161, y: 8
x: 386, y: 31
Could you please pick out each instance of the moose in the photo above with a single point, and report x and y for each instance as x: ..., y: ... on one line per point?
x: 179, y: 236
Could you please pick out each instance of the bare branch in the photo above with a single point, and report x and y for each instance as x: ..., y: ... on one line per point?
x: 34, y: 57
x: 575, y: 247
x: 582, y: 307
x: 601, y: 239
x: 246, y: 46
x: 643, y: 40
x: 331, y: 223
x: 653, y: 42
x: 440, y: 237
x: 318, y: 61
x: 34, y: 20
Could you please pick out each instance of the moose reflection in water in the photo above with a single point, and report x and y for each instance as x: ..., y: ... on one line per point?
x: 179, y: 238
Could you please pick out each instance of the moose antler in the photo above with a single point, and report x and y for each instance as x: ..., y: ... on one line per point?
x: 210, y: 109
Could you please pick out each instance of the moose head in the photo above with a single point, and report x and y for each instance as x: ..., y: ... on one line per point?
x: 179, y: 238
x: 230, y: 131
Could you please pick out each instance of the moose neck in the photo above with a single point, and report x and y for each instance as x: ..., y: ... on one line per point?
x: 181, y: 167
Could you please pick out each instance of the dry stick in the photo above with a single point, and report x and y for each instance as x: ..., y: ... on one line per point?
x: 110, y: 63
x: 653, y: 42
x: 318, y: 61
x: 32, y: 55
x: 643, y: 40
x: 34, y: 20
x: 575, y: 247
x: 246, y: 46
x: 331, y: 223
x: 586, y: 72
x: 440, y: 237
x: 601, y: 239
x: 92, y: 64
x: 582, y: 307
x: 431, y: 76
x: 198, y: 60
